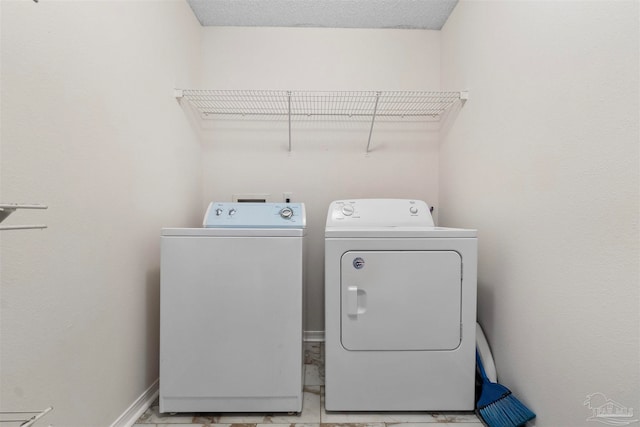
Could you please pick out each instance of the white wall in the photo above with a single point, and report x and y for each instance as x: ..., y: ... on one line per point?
x: 543, y: 161
x: 90, y: 127
x: 328, y: 160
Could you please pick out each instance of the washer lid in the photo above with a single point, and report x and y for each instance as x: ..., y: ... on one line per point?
x: 255, y: 215
x: 233, y: 232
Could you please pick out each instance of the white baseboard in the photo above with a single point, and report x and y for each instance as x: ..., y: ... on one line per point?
x: 313, y: 336
x: 137, y: 408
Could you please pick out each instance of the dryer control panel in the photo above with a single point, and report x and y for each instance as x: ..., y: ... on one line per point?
x: 379, y: 213
x: 254, y: 215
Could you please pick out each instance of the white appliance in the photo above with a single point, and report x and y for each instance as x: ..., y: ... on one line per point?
x: 231, y: 300
x: 400, y: 301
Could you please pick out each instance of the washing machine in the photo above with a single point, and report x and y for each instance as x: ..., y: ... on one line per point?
x: 231, y: 310
x: 400, y: 309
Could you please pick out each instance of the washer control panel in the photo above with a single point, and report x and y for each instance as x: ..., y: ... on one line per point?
x: 379, y: 213
x: 254, y: 215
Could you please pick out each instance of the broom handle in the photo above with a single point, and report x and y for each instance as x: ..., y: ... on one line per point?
x: 483, y: 374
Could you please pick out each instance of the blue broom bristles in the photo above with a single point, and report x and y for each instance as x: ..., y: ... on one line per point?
x: 497, y: 406
x: 508, y: 411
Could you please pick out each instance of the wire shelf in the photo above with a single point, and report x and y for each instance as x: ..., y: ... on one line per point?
x: 322, y: 105
x: 347, y: 104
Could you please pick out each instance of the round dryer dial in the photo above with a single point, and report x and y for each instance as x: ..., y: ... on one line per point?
x: 347, y: 210
x: 286, y: 213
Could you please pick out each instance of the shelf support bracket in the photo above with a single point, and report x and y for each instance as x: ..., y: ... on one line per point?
x: 373, y: 120
x: 7, y: 209
x: 289, y: 102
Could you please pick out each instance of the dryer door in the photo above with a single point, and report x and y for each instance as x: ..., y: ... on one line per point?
x: 401, y: 300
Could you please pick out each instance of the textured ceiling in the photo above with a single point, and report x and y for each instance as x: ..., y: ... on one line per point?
x: 419, y: 14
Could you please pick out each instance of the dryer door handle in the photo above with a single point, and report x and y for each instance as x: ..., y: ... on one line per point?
x: 352, y: 300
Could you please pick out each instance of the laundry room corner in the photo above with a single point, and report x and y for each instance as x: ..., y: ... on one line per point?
x: 373, y: 187
x: 543, y: 161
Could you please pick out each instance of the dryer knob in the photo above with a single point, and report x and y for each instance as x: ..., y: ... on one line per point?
x: 413, y: 210
x: 232, y: 211
x: 286, y: 213
x: 347, y: 210
x: 218, y: 212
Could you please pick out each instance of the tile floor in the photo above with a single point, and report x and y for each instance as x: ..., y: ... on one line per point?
x: 313, y: 413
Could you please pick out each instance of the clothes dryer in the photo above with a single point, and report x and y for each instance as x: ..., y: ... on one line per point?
x: 400, y: 301
x: 231, y: 298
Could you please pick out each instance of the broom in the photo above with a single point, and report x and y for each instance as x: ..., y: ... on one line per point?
x: 497, y: 406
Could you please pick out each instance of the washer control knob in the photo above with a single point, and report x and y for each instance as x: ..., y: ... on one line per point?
x: 347, y: 210
x: 218, y: 212
x: 286, y: 213
x: 413, y: 210
x: 232, y: 211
